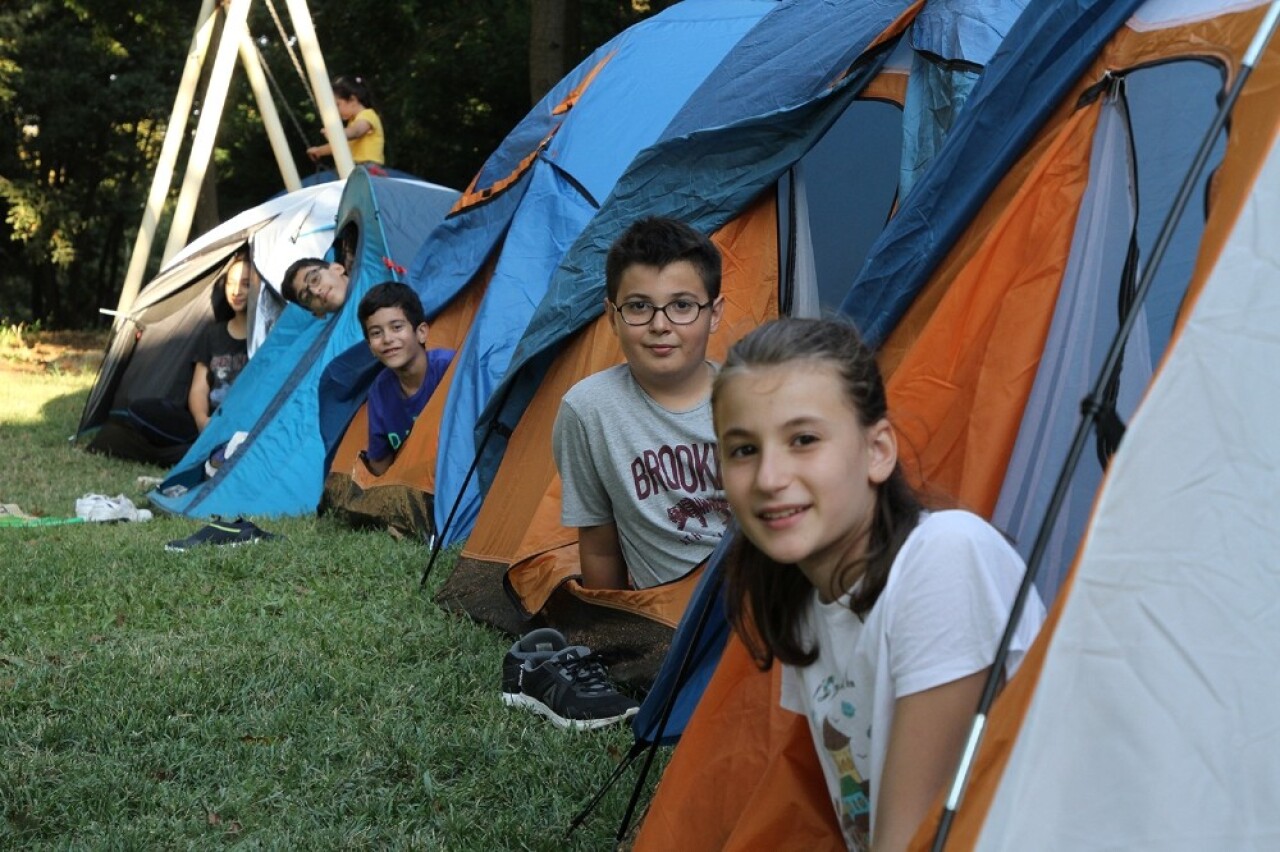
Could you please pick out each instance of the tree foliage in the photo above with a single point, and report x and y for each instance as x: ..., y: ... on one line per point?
x: 86, y: 89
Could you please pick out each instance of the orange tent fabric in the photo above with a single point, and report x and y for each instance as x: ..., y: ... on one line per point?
x: 518, y: 527
x: 960, y: 366
x: 745, y: 776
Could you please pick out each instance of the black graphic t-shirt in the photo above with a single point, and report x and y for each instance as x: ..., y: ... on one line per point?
x: 224, y: 356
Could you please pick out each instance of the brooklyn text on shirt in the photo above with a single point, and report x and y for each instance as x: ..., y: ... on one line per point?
x: 691, y: 468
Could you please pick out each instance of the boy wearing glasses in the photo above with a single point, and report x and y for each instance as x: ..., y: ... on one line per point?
x: 634, y: 444
x: 317, y: 285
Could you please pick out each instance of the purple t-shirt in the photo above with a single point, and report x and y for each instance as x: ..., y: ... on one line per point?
x: 391, y: 413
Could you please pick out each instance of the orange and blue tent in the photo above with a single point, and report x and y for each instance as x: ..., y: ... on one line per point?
x: 996, y: 301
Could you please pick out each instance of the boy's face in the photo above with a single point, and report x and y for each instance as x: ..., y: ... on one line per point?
x: 393, y: 340
x: 321, y: 289
x: 664, y: 355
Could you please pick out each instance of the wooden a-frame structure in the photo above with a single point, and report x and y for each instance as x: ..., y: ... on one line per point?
x: 234, y: 40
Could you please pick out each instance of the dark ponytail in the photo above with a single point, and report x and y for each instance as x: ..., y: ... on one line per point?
x: 354, y: 87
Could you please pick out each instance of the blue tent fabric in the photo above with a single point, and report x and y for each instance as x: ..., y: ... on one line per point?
x: 795, y: 54
x: 615, y: 117
x: 344, y: 387
x: 951, y: 41
x: 275, y: 399
x: 669, y: 53
x: 692, y: 659
x: 703, y: 177
x: 1047, y: 49
x: 964, y: 30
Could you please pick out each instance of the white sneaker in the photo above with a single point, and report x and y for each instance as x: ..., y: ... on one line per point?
x: 99, y: 508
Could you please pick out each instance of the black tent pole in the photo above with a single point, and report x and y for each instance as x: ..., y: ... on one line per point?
x: 1090, y: 408
x: 438, y: 544
x: 682, y: 674
x: 651, y: 746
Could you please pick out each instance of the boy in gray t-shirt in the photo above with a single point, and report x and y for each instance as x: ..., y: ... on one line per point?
x: 634, y: 444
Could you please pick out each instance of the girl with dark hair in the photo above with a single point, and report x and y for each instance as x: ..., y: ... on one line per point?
x: 363, y: 124
x: 161, y: 430
x: 885, y: 617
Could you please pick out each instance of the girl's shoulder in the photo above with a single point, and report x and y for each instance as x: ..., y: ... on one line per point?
x: 956, y: 542
x: 955, y: 525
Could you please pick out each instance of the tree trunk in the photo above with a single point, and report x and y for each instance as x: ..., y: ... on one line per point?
x: 554, y: 32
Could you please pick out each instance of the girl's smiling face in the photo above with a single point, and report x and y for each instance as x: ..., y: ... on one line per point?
x: 236, y: 286
x: 800, y: 471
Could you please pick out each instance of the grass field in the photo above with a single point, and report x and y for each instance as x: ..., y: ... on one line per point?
x: 301, y: 693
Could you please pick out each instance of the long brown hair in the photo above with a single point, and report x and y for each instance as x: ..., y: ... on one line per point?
x: 767, y: 601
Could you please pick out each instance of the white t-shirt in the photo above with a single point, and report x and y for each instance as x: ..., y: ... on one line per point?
x: 939, y: 618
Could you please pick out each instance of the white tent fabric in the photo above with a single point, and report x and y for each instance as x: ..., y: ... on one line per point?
x: 302, y: 224
x: 1084, y: 322
x: 1154, y: 724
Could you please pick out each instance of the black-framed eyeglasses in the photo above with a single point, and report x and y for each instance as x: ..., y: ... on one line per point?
x: 307, y: 295
x: 677, y: 311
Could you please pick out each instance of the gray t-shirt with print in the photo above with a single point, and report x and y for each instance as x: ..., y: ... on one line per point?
x: 624, y: 459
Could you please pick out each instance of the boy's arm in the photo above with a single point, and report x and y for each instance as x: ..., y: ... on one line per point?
x: 378, y: 453
x: 584, y: 498
x: 377, y: 466
x: 600, y: 556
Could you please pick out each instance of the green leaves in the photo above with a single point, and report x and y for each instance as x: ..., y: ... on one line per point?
x: 87, y: 87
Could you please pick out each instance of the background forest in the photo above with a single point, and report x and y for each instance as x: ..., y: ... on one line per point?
x: 86, y: 89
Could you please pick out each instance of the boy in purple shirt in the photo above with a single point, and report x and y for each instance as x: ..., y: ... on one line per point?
x: 396, y: 330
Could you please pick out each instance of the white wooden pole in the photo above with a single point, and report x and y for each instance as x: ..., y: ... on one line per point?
x: 175, y: 131
x: 320, y: 86
x: 267, y: 109
x: 207, y: 128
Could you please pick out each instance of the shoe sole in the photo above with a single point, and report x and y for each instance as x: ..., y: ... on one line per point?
x: 172, y: 549
x: 536, y: 706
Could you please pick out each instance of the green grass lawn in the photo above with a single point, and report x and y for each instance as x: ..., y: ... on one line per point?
x: 301, y: 693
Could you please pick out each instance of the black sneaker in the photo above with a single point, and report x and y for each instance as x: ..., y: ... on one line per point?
x: 572, y: 689
x: 533, y: 648
x: 221, y: 532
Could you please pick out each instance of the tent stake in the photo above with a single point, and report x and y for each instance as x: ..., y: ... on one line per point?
x: 1090, y: 408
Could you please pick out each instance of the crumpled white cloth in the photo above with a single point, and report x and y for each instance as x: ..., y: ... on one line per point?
x: 100, y: 508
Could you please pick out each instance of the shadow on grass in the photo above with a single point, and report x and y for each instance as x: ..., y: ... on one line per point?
x: 41, y: 468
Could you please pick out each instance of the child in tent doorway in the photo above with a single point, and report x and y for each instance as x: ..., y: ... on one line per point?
x: 363, y: 124
x: 396, y: 330
x: 316, y: 285
x: 160, y: 430
x: 884, y: 616
x: 636, y: 453
x: 634, y: 444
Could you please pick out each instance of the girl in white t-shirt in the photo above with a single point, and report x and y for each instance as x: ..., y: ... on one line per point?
x: 885, y: 617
